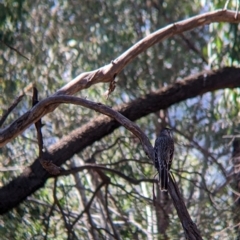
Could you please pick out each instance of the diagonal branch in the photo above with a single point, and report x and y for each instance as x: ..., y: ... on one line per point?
x: 35, y: 176
x: 86, y: 209
x: 109, y: 72
x: 11, y: 108
x: 14, y: 49
x: 191, y: 231
x: 165, y: 97
x: 96, y: 167
x: 131, y: 126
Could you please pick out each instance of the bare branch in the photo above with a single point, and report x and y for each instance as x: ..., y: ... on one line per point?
x: 14, y: 49
x: 86, y: 209
x: 116, y: 234
x: 38, y: 124
x: 191, y: 231
x: 46, y: 164
x: 165, y: 97
x: 109, y: 72
x: 10, y: 109
x: 35, y: 176
x: 131, y: 126
x: 56, y: 201
x: 190, y: 228
x: 94, y: 166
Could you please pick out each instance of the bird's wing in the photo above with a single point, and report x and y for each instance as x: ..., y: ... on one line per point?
x: 156, y: 154
x: 160, y: 153
x: 170, y: 153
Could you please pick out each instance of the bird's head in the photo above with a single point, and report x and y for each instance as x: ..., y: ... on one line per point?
x: 166, y: 132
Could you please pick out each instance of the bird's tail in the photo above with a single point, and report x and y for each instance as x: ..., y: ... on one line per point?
x: 163, y: 177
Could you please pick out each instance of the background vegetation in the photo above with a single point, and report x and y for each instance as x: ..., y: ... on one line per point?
x: 61, y: 39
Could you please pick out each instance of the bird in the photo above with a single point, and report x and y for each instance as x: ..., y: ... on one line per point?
x: 164, y: 150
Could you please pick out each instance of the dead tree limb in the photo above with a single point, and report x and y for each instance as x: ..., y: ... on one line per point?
x: 110, y: 71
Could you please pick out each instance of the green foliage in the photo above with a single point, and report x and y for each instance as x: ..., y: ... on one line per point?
x: 11, y: 19
x: 65, y: 38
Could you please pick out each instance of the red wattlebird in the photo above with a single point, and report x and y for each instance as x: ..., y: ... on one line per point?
x: 164, y: 149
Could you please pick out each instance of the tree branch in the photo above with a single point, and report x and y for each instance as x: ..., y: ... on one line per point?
x: 189, y: 227
x: 11, y: 108
x: 165, y: 97
x: 131, y: 126
x: 109, y: 72
x: 94, y: 166
x: 35, y: 176
x: 191, y: 231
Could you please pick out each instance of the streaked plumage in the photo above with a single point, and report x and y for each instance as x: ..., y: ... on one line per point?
x: 164, y: 150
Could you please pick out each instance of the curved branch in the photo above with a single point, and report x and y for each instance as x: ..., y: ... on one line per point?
x: 131, y: 126
x: 206, y: 81
x: 94, y: 166
x: 35, y: 176
x: 109, y: 72
x: 11, y: 108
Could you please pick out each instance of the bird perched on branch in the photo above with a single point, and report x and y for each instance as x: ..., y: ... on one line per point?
x: 164, y: 149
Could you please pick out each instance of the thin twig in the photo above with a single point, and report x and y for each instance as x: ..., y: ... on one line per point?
x: 14, y: 49
x: 203, y: 151
x: 86, y: 209
x: 116, y: 234
x: 46, y: 164
x: 47, y: 225
x: 94, y: 166
x: 38, y: 124
x: 107, y: 73
x: 58, y: 204
x: 10, y: 109
x: 179, y: 91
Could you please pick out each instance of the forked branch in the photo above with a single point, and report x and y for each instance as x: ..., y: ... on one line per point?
x: 190, y: 229
x: 108, y: 73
